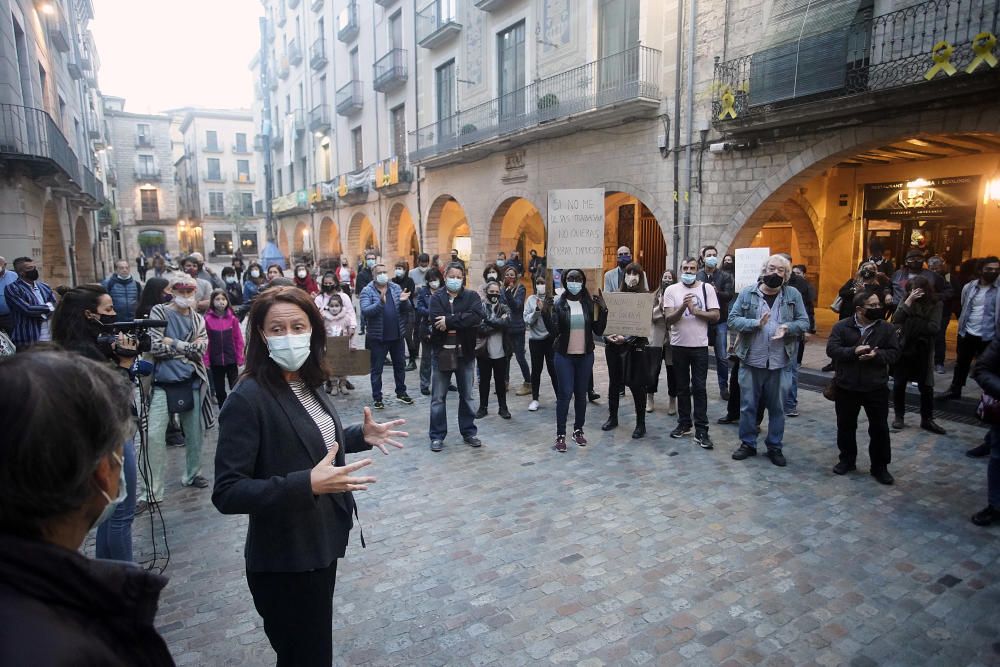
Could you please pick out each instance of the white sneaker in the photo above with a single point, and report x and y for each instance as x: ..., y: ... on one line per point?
x: 649, y: 402
x: 533, y: 406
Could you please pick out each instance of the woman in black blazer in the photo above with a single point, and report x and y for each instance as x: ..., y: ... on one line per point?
x: 280, y: 459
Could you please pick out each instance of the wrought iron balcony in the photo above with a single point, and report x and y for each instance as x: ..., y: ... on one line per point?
x: 347, y: 22
x: 390, y: 71
x: 436, y: 23
x: 622, y: 86
x: 282, y: 18
x: 277, y: 133
x: 294, y: 52
x: 58, y: 32
x: 243, y: 177
x: 149, y: 175
x: 73, y: 67
x: 32, y: 136
x: 319, y: 119
x: 298, y: 121
x: 350, y: 98
x: 906, y: 57
x: 317, y: 54
x: 93, y: 126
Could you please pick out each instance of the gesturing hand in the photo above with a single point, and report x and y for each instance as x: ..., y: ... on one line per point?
x: 764, y: 318
x: 780, y: 332
x: 440, y: 323
x: 328, y: 478
x: 405, y: 296
x: 379, y: 435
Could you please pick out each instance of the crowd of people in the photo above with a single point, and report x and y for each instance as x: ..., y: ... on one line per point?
x: 247, y: 349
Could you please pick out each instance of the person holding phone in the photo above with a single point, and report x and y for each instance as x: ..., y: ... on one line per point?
x: 863, y: 348
x: 384, y: 306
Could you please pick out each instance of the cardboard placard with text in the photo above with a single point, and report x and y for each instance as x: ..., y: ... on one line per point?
x: 575, y: 229
x: 344, y: 359
x: 629, y: 313
x: 748, y: 265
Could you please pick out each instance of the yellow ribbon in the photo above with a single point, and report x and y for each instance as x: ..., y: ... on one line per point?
x: 941, y: 53
x: 983, y: 45
x: 728, y: 100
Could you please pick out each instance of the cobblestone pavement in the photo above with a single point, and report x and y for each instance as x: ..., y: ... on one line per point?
x: 624, y: 552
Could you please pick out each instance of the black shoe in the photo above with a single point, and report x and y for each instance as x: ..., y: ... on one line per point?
x: 404, y: 398
x: 610, y: 424
x: 948, y: 394
x: 932, y: 426
x: 480, y: 413
x: 897, y: 424
x: 425, y: 391
x: 504, y: 413
x: 411, y: 366
x: 436, y: 445
x: 987, y: 516
x: 639, y: 432
x: 473, y: 441
x: 452, y: 387
x: 744, y: 451
x: 727, y: 420
x: 827, y: 368
x: 378, y: 405
x: 777, y: 458
x: 703, y: 441
x: 978, y: 452
x: 724, y: 393
x: 843, y: 468
x: 593, y: 397
x: 198, y: 482
x: 680, y: 432
x: 882, y: 476
x: 347, y: 383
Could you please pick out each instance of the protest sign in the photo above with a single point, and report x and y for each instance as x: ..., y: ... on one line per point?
x: 575, y: 229
x: 344, y: 359
x: 629, y: 313
x: 748, y: 264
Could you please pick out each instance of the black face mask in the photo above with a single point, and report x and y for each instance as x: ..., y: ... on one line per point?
x: 989, y: 276
x: 108, y: 319
x: 493, y: 297
x: 875, y: 313
x: 31, y: 275
x: 772, y: 280
x: 329, y: 288
x: 868, y: 274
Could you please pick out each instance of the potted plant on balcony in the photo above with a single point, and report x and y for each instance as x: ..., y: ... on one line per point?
x: 548, y: 106
x: 468, y: 128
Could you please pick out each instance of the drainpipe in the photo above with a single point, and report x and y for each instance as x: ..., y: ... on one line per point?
x: 677, y: 131
x: 690, y: 123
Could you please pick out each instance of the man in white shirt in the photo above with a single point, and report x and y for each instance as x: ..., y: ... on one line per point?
x: 977, y: 323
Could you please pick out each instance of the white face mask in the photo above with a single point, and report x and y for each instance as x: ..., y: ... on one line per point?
x: 113, y: 503
x: 434, y: 284
x: 491, y: 276
x: 301, y: 275
x: 631, y: 280
x: 399, y: 273
x: 255, y: 274
x: 540, y: 289
x: 289, y: 351
x: 220, y: 304
x: 184, y: 301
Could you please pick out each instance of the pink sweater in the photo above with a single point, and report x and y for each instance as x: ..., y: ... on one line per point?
x: 225, y: 339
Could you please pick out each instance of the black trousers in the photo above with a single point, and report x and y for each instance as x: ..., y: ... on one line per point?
x: 615, y: 357
x: 219, y: 376
x: 542, y: 352
x: 498, y: 369
x: 969, y: 348
x: 939, y: 339
x: 297, y: 609
x: 876, y: 406
x: 926, y: 398
x: 654, y: 357
x: 691, y: 371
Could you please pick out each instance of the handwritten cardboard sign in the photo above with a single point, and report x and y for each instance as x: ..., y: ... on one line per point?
x: 344, y: 359
x: 629, y: 313
x: 748, y: 264
x: 575, y: 229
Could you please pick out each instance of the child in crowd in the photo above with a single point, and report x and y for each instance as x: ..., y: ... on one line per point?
x: 224, y: 353
x: 338, y: 323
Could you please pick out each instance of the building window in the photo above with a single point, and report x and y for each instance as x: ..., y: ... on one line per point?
x: 211, y: 140
x: 279, y: 183
x: 398, y: 131
x: 305, y: 173
x: 150, y: 204
x: 241, y: 142
x: 243, y: 171
x: 326, y: 160
x: 444, y: 79
x: 147, y: 165
x: 143, y: 134
x: 214, y: 169
x: 510, y: 66
x: 246, y: 204
x: 291, y: 178
x: 216, y: 203
x: 358, y: 148
x: 248, y: 241
x: 223, y: 243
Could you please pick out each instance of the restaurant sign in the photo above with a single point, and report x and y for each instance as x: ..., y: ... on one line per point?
x: 936, y: 199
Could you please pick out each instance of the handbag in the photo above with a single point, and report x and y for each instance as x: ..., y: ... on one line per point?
x: 988, y: 409
x: 830, y: 391
x: 180, y: 395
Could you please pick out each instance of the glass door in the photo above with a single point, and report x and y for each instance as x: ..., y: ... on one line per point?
x: 510, y: 65
x: 618, y: 46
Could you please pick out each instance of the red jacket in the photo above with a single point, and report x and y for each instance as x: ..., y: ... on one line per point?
x: 309, y: 285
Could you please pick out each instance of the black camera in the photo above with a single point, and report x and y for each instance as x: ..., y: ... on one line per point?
x: 137, y: 328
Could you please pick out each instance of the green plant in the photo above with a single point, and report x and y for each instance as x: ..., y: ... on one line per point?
x: 548, y: 101
x: 468, y: 128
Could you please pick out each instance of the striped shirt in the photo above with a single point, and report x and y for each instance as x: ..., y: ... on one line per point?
x: 322, y: 418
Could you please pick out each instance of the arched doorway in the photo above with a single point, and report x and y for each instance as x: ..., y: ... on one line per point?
x: 152, y: 242
x: 517, y: 224
x: 283, y: 241
x: 329, y: 239
x: 54, y: 268
x: 301, y: 243
x: 790, y: 229
x: 84, y: 247
x: 628, y: 221
x: 402, y: 240
x: 447, y: 228
x: 361, y: 237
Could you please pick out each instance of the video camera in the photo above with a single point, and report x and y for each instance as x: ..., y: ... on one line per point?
x: 137, y: 328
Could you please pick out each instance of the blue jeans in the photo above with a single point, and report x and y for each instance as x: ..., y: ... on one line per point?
x: 993, y: 470
x: 722, y: 353
x: 397, y: 350
x: 114, y: 536
x: 791, y: 383
x: 425, y: 365
x: 464, y: 378
x: 574, y: 372
x: 762, y: 385
x: 517, y: 342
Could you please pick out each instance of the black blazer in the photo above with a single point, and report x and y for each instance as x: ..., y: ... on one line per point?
x: 560, y: 323
x: 463, y: 316
x: 268, y: 446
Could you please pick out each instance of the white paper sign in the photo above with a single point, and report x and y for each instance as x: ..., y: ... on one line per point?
x: 749, y: 262
x: 629, y: 313
x: 576, y: 229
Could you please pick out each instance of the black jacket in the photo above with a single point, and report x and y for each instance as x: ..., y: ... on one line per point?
x: 560, y: 323
x: 725, y: 287
x: 986, y: 372
x: 463, y: 316
x: 58, y: 607
x: 852, y: 373
x: 268, y: 446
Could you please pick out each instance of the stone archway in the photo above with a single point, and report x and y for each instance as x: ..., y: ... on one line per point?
x: 401, y: 239
x: 84, y: 252
x: 516, y: 224
x: 301, y: 241
x: 446, y: 221
x: 796, y: 215
x: 361, y: 235
x: 329, y: 239
x: 54, y: 267
x: 283, y: 241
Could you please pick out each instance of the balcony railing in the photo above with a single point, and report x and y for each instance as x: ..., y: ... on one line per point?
x: 282, y: 18
x: 390, y: 71
x: 32, y: 134
x: 143, y: 174
x: 93, y: 126
x: 298, y: 121
x: 631, y: 76
x: 259, y: 142
x: 875, y: 54
x: 241, y: 149
x: 242, y: 177
x: 58, y: 32
x: 212, y: 148
x: 277, y: 132
x: 294, y: 52
x: 143, y: 141
x: 319, y: 119
x: 437, y: 23
x: 349, y: 98
x: 317, y: 54
x: 347, y: 22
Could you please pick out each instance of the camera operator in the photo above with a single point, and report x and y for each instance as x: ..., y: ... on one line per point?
x: 76, y: 326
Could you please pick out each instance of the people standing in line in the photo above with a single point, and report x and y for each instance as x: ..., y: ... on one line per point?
x: 253, y: 282
x: 418, y: 274
x: 538, y: 320
x: 455, y: 314
x: 31, y: 302
x: 883, y: 264
x: 918, y: 319
x: 725, y: 290
x: 615, y: 278
x: 490, y: 274
x: 304, y: 280
x: 513, y: 294
x: 493, y: 350
x: 501, y: 260
x: 868, y: 280
x: 987, y: 375
x: 7, y: 276
x: 863, y: 348
x: 574, y: 327
x: 364, y: 278
x: 977, y: 323
x: 338, y: 318
x: 142, y: 265
x: 160, y: 266
x: 281, y: 460
x: 124, y: 290
x: 658, y: 352
x: 423, y: 328
x: 768, y: 318
x: 729, y: 265
x: 626, y: 359
x: 514, y: 261
x: 945, y: 297
x: 384, y: 305
x: 64, y: 419
x: 179, y: 351
x: 346, y: 276
x: 190, y: 266
x: 401, y: 276
x: 689, y: 307
x: 224, y: 353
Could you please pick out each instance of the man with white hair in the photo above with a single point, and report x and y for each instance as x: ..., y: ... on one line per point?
x: 768, y: 319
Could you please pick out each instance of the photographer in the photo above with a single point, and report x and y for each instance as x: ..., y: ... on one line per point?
x: 76, y: 326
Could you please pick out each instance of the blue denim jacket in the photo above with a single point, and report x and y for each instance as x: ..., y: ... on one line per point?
x: 745, y: 313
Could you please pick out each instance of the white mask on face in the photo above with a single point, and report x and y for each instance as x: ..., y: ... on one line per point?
x: 540, y: 289
x: 631, y: 280
x: 184, y: 301
x: 113, y: 503
x: 301, y: 274
x: 434, y: 284
x: 289, y: 351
